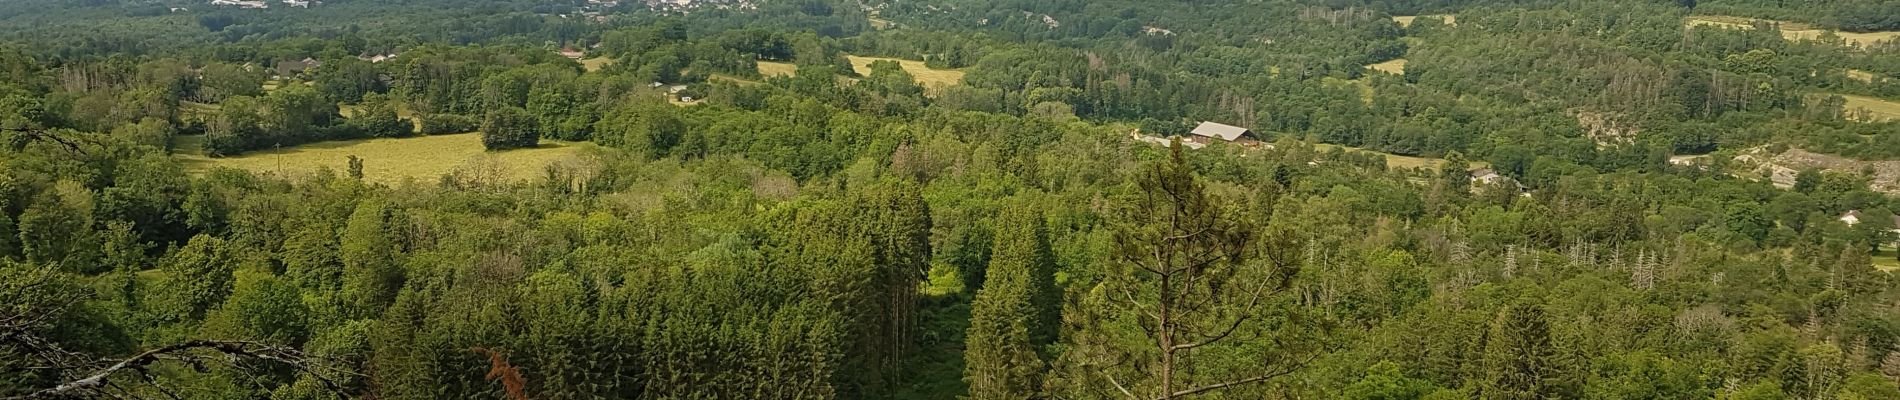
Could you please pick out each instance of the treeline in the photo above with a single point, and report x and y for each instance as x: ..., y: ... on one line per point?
x: 816, y: 237
x: 718, y: 270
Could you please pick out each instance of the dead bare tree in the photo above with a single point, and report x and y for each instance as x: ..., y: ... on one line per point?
x: 99, y: 382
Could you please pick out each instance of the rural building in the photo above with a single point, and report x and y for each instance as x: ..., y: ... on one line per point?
x: 572, y: 53
x: 1488, y: 176
x: 1851, y: 217
x: 1224, y: 132
x: 1211, y: 132
x: 289, y: 68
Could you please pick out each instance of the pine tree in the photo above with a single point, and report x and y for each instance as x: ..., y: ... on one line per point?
x: 1192, y: 280
x: 1520, y: 361
x: 1013, y: 316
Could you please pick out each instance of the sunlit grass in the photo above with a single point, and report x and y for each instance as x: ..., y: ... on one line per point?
x: 424, y: 158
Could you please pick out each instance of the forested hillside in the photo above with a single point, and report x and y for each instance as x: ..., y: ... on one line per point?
x: 946, y: 199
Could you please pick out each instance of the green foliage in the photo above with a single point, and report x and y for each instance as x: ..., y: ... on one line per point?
x: 1521, y: 362
x: 377, y: 117
x: 346, y: 79
x: 1015, y: 313
x: 773, y: 240
x: 438, y: 124
x: 510, y: 128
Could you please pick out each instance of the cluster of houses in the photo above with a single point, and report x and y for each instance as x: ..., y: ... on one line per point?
x: 261, y: 4
x: 378, y: 58
x: 1209, y: 133
x: 1214, y: 132
x: 683, y: 6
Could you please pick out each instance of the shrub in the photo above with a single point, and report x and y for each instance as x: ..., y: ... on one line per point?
x: 510, y: 128
x: 437, y: 124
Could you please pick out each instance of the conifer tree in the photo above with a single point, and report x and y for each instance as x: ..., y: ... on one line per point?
x: 1519, y: 359
x: 1193, y: 280
x: 1012, y: 317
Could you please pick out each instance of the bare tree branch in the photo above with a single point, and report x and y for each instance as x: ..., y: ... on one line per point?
x: 42, y: 134
x: 1259, y: 378
x: 99, y: 379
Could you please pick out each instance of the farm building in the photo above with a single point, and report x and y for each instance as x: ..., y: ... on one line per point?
x: 1211, y: 132
x: 1222, y: 131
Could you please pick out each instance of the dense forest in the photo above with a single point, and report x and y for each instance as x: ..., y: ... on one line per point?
x: 845, y: 232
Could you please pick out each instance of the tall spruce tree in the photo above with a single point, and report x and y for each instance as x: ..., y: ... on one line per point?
x: 1013, y: 316
x: 1519, y: 359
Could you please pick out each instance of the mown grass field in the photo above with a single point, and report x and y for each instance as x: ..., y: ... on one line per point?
x: 1395, y: 161
x: 1396, y: 66
x: 1882, y: 109
x: 1884, y: 259
x: 932, y: 79
x: 1860, y: 75
x: 774, y: 68
x: 1790, y: 30
x: 423, y: 159
x: 1406, y: 20
x: 596, y: 63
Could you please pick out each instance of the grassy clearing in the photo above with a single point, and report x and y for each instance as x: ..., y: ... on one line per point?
x: 1366, y: 92
x: 1395, y: 161
x: 1406, y: 20
x: 932, y: 79
x: 774, y: 68
x: 596, y: 63
x: 1882, y: 109
x: 390, y: 161
x: 1391, y: 67
x: 1860, y: 75
x: 1790, y: 30
x: 1884, y: 259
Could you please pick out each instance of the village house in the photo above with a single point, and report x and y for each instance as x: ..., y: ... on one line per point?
x: 1853, y: 217
x: 573, y: 53
x: 291, y: 68
x: 1487, y: 176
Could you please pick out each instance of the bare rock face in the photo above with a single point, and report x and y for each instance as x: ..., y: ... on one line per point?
x: 1781, y: 168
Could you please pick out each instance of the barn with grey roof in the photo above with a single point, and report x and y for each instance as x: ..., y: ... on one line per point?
x: 1224, y: 132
